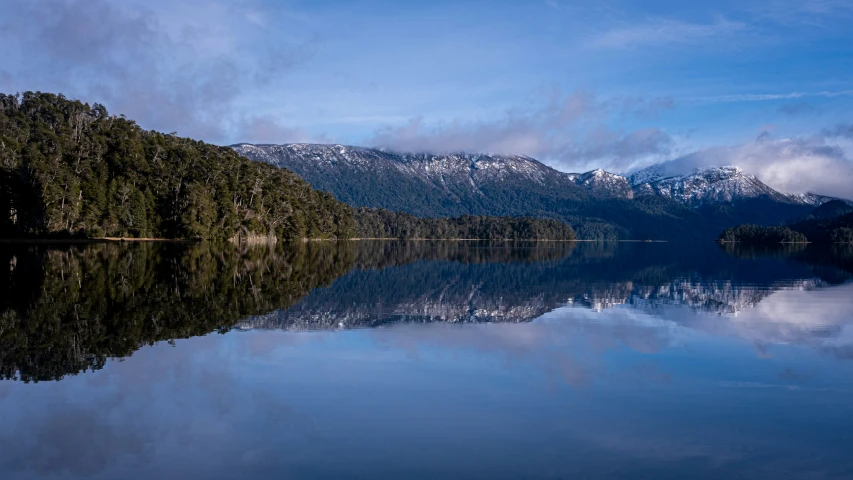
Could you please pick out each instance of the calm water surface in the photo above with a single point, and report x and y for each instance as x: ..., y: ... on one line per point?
x: 425, y: 360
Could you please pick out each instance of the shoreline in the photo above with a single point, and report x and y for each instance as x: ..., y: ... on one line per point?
x: 764, y: 243
x: 96, y: 240
x: 359, y: 239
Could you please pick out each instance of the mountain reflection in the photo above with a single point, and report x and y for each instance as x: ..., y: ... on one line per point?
x: 68, y: 309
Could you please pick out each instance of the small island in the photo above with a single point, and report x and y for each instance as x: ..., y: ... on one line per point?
x: 831, y: 222
x: 756, y: 234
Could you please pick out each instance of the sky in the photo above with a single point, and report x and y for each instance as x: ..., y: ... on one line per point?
x: 620, y: 85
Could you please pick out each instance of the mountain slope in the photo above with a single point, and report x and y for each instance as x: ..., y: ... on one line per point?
x: 714, y: 185
x: 827, y: 229
x: 422, y: 185
x: 709, y: 186
x: 828, y: 210
x: 597, y: 204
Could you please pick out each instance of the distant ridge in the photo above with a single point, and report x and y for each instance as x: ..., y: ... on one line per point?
x: 598, y: 204
x: 712, y: 185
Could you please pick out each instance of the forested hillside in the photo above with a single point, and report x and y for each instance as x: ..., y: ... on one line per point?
x: 71, y: 169
x: 827, y: 230
x: 828, y: 223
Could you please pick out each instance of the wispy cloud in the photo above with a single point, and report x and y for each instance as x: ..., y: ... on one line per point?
x: 664, y: 32
x: 554, y: 5
x: 813, y: 13
x: 763, y: 97
x: 268, y: 129
x: 568, y: 130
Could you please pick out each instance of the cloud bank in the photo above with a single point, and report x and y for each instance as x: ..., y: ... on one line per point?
x: 566, y: 130
x: 166, y: 71
x: 818, y: 164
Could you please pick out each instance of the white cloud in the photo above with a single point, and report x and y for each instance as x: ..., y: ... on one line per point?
x: 764, y: 97
x: 814, y: 164
x: 663, y: 32
x: 266, y: 129
x: 567, y: 131
x: 166, y: 69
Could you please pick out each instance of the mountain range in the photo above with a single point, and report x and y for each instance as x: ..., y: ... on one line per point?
x: 649, y: 204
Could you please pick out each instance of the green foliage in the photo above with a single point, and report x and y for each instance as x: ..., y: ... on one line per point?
x: 379, y: 223
x: 827, y: 230
x: 831, y: 222
x: 71, y: 169
x: 761, y: 235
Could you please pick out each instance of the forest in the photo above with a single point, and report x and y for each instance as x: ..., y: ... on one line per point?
x: 761, y: 234
x: 380, y: 223
x: 831, y: 222
x: 68, y: 169
x: 827, y: 230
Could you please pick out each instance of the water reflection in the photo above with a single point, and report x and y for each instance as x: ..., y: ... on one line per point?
x: 419, y: 360
x: 68, y: 309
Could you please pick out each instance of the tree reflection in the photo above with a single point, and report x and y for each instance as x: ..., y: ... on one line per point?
x: 68, y: 308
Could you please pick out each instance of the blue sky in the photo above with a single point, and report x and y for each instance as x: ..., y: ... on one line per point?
x: 612, y: 84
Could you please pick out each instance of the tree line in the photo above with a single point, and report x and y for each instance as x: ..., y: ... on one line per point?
x: 380, y: 223
x: 760, y: 234
x: 814, y: 228
x: 71, y: 169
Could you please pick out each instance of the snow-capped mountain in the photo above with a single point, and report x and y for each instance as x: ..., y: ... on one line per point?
x: 814, y: 199
x: 712, y: 185
x: 427, y: 166
x: 604, y: 183
x: 450, y: 173
x: 650, y: 204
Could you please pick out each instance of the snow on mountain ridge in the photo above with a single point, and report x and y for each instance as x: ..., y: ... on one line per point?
x: 722, y: 184
x: 441, y: 169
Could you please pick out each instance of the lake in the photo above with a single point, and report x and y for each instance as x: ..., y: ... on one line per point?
x: 423, y: 360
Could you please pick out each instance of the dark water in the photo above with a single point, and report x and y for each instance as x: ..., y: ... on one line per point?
x: 426, y: 360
